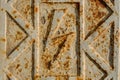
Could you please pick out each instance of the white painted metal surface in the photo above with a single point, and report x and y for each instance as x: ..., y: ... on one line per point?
x: 59, y: 40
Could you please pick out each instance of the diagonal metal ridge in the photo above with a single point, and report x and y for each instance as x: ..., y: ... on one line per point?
x: 111, y: 47
x: 57, y: 53
x: 33, y: 61
x: 48, y: 30
x: 98, y: 66
x: 60, y: 46
x: 103, y: 20
x: 8, y: 54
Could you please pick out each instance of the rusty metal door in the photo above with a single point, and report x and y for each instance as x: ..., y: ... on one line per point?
x: 59, y: 40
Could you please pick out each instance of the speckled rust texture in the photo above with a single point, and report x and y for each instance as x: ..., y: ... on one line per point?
x: 59, y: 40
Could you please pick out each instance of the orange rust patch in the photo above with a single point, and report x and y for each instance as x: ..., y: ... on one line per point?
x: 45, y: 0
x: 32, y: 41
x: 15, y: 17
x: 19, y: 35
x: 49, y: 16
x: 18, y: 65
x: 19, y: 70
x: 36, y: 77
x: 36, y: 9
x: 3, y: 39
x: 27, y: 25
x: 9, y: 75
x: 17, y: 49
x: 66, y: 65
x: 79, y: 78
x: 26, y: 65
x: 58, y: 20
x: 2, y: 9
x: 14, y: 12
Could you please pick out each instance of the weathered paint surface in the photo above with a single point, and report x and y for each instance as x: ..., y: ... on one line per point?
x: 59, y: 40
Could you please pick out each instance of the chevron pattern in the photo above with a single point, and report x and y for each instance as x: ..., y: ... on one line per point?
x: 58, y: 40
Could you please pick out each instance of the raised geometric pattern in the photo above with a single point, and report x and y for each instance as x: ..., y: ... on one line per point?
x: 17, y: 40
x: 26, y: 9
x: 22, y: 65
x: 99, y: 38
x: 97, y: 15
x: 15, y: 35
x: 59, y: 40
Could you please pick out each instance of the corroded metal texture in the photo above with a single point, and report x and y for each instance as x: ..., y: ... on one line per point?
x: 59, y: 40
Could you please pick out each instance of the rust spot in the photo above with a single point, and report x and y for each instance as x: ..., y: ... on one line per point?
x: 68, y: 57
x: 66, y: 65
x: 36, y: 77
x: 46, y: 60
x: 27, y: 79
x: 49, y: 16
x: 32, y: 41
x: 3, y: 39
x: 62, y: 77
x: 26, y: 9
x: 17, y: 49
x: 26, y: 65
x: 36, y: 9
x: 2, y: 9
x: 44, y: 0
x: 27, y: 26
x: 71, y: 15
x: 9, y: 75
x: 79, y: 78
x: 14, y: 12
x: 58, y: 20
x: 19, y: 70
x: 15, y: 17
x: 19, y: 35
x: 18, y: 65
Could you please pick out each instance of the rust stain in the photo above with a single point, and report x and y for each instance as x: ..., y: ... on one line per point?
x: 2, y: 9
x: 26, y: 10
x: 14, y: 12
x: 46, y: 60
x: 19, y: 35
x: 58, y: 20
x: 9, y: 74
x: 66, y: 65
x: 15, y: 16
x: 79, y: 78
x: 49, y: 16
x: 26, y: 65
x: 63, y: 77
x: 68, y: 57
x: 45, y: 0
x: 32, y: 41
x: 36, y: 9
x: 27, y: 26
x: 17, y: 49
x: 97, y: 3
x: 3, y: 39
x: 19, y: 70
x: 36, y: 77
x: 18, y: 65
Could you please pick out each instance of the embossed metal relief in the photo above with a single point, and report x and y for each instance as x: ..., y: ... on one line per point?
x: 59, y: 40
